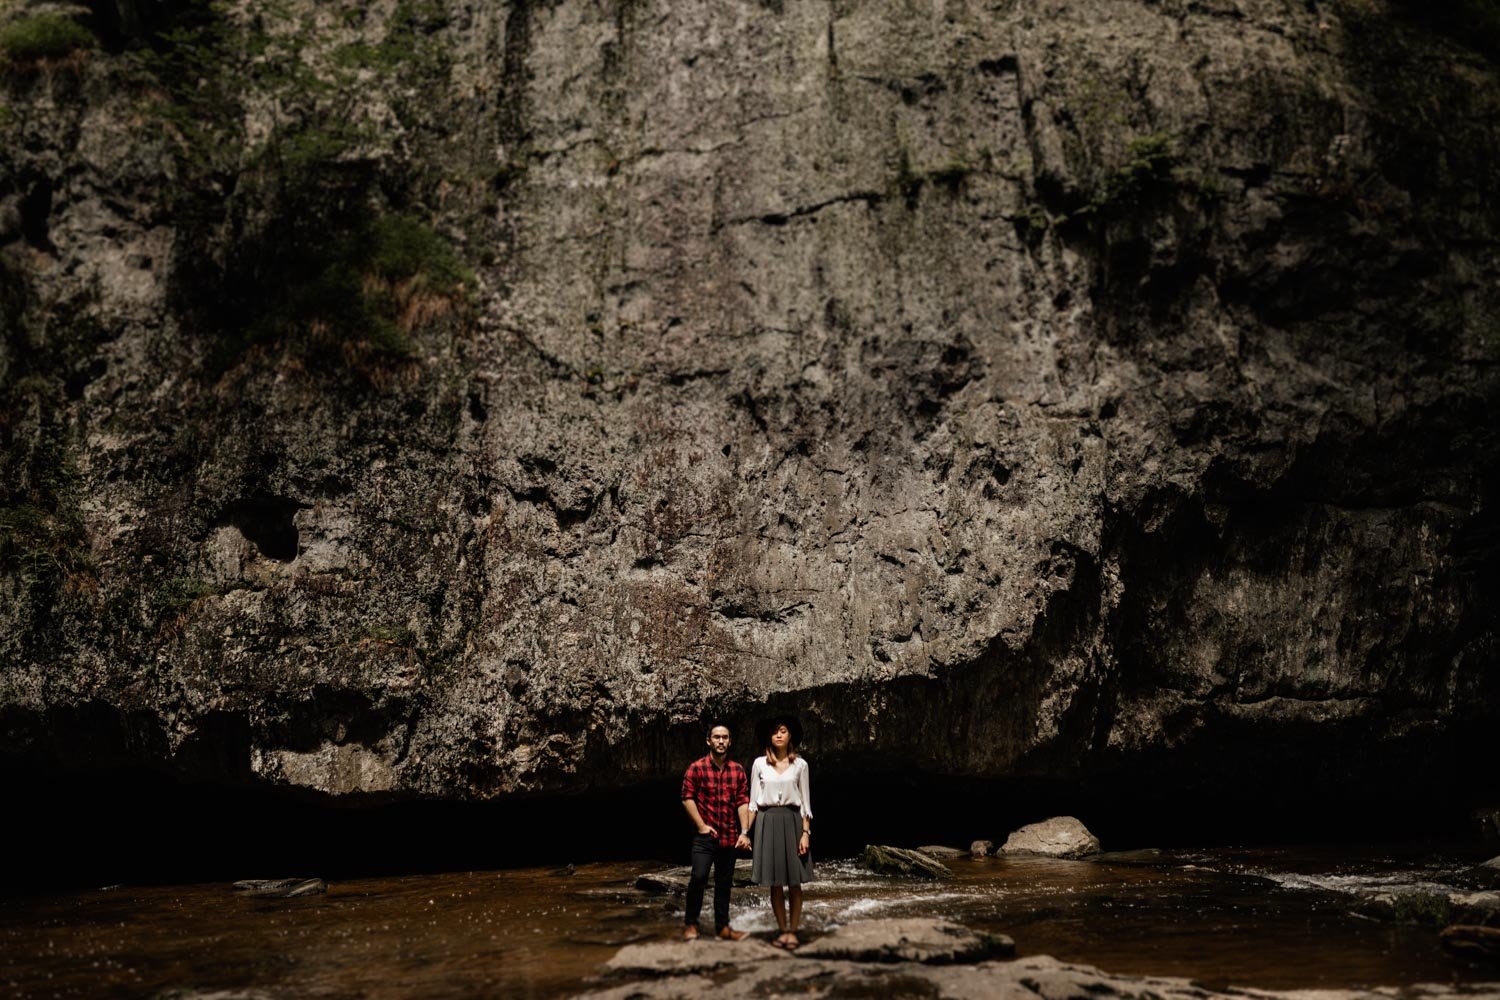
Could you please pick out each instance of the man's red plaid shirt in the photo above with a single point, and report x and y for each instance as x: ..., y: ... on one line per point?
x: 718, y: 792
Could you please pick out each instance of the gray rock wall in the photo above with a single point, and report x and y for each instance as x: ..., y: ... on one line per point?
x: 1016, y: 389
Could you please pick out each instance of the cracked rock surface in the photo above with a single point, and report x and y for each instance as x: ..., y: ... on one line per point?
x: 1096, y: 381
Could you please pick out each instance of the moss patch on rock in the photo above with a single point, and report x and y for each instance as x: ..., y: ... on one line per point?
x: 359, y: 292
x: 43, y: 36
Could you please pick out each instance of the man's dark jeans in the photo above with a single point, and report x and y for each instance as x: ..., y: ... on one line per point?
x: 706, y: 852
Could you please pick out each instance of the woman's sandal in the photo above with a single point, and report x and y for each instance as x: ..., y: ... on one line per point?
x: 779, y: 941
x: 793, y: 944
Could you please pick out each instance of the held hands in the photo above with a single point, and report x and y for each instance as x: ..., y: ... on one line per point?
x: 743, y: 843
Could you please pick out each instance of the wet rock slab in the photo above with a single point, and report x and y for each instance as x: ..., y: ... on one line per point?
x: 1029, y: 978
x: 942, y: 852
x: 675, y: 958
x: 932, y: 942
x: 281, y: 888
x: 884, y: 860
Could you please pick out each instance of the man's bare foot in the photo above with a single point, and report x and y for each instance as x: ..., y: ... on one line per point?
x: 730, y: 934
x: 690, y: 933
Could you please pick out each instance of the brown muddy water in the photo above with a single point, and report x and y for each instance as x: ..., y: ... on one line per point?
x: 1270, y: 918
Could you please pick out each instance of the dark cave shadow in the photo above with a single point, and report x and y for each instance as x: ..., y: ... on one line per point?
x: 84, y: 829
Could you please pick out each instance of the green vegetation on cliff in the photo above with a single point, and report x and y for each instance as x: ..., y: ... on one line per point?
x: 42, y: 543
x: 1149, y: 163
x: 359, y: 293
x: 319, y: 246
x: 948, y: 175
x: 43, y: 36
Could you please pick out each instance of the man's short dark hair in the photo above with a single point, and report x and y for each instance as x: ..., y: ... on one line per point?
x: 715, y: 724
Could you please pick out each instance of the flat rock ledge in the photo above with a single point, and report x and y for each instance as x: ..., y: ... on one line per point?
x: 1058, y: 837
x: 931, y: 942
x: 676, y: 879
x: 923, y: 940
x: 759, y: 972
x: 281, y: 888
x: 942, y: 852
x: 675, y: 958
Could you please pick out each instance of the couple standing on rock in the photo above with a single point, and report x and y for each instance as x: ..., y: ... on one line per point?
x: 772, y: 808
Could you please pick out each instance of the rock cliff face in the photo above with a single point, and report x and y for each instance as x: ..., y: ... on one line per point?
x: 457, y: 399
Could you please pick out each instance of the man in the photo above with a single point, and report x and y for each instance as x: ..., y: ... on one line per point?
x: 716, y: 797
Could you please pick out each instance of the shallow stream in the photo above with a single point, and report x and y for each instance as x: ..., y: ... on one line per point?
x: 1275, y: 918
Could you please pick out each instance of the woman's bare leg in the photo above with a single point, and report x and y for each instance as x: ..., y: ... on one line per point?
x: 778, y: 907
x: 796, y: 920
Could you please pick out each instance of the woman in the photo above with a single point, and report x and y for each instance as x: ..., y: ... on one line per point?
x: 781, y: 822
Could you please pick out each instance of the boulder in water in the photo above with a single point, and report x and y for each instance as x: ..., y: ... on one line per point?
x: 981, y: 848
x: 939, y: 851
x: 920, y: 939
x: 1058, y: 837
x: 887, y: 860
x: 281, y: 888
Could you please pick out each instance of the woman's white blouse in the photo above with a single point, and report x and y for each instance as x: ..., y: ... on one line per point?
x: 790, y: 788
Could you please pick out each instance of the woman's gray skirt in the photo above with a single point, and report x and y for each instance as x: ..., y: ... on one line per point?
x: 775, y: 862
